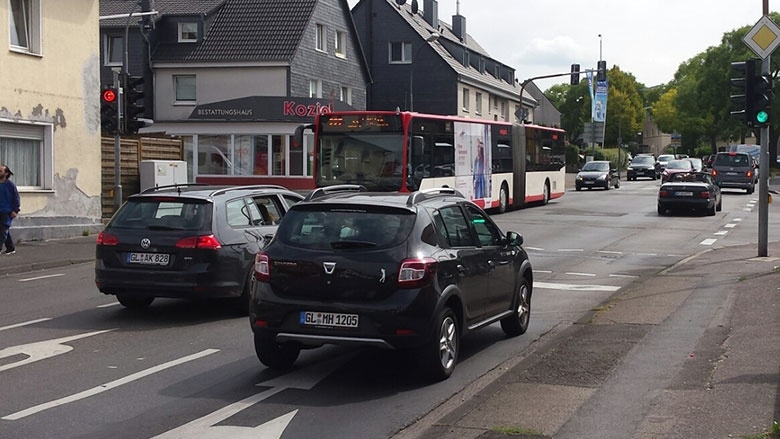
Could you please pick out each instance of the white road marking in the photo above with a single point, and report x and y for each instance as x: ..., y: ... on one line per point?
x: 736, y: 220
x: 534, y: 248
x: 542, y: 271
x: 573, y: 287
x: 206, y: 428
x: 41, y: 350
x: 41, y: 277
x: 105, y: 387
x: 610, y: 252
x: 729, y: 226
x: 571, y: 250
x: 107, y: 305
x: 721, y: 233
x: 708, y: 241
x: 580, y: 274
x: 31, y: 322
x: 631, y: 276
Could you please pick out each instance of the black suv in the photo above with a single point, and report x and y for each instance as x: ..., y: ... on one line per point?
x: 188, y: 242
x: 390, y: 270
x: 643, y: 166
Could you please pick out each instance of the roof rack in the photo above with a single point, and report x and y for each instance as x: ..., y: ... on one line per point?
x: 247, y: 187
x: 322, y: 191
x: 171, y: 186
x: 434, y: 192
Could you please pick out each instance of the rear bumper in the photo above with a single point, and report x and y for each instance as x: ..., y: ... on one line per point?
x: 677, y: 204
x: 148, y: 283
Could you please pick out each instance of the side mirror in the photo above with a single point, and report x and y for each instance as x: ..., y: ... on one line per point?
x: 514, y: 239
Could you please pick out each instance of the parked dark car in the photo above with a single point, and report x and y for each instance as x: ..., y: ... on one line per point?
x: 188, y: 242
x: 643, y: 166
x: 695, y: 191
x: 392, y: 270
x: 597, y: 173
x: 676, y: 166
x: 735, y: 170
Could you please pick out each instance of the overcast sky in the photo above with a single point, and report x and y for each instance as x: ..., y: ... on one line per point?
x: 647, y: 38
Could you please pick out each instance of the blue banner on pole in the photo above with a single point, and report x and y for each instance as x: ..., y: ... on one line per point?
x: 600, y: 102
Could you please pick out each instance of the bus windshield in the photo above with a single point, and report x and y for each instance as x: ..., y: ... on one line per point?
x: 374, y: 160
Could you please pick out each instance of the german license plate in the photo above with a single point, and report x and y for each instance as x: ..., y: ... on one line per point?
x: 684, y: 194
x: 588, y: 182
x: 328, y: 319
x: 148, y: 258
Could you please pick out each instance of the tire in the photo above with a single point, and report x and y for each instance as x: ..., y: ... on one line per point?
x: 577, y: 188
x: 712, y: 210
x: 517, y: 323
x: 606, y: 186
x: 617, y: 184
x: 279, y: 356
x: 719, y: 206
x: 546, y: 195
x: 503, y: 199
x: 661, y: 210
x: 134, y: 302
x: 439, y: 356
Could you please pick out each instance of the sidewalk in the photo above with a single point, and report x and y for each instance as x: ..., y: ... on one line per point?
x: 643, y: 365
x: 38, y: 255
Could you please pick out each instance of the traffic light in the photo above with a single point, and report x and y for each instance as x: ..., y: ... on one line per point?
x: 742, y: 85
x: 601, y: 71
x: 133, y: 103
x: 108, y: 110
x: 761, y: 101
x: 575, y: 74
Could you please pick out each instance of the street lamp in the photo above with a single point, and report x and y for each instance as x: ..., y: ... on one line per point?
x: 431, y: 38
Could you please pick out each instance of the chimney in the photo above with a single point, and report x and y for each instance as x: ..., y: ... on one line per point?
x: 459, y: 26
x: 431, y: 12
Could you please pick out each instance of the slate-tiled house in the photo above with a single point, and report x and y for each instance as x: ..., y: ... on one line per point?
x: 418, y: 62
x: 234, y: 78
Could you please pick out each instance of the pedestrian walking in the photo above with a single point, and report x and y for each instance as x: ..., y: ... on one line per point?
x: 9, y: 208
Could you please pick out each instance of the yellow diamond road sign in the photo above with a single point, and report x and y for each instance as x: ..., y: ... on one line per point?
x: 763, y: 38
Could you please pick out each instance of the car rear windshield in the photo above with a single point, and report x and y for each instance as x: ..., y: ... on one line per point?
x: 643, y: 160
x: 162, y: 213
x: 345, y: 227
x: 732, y: 160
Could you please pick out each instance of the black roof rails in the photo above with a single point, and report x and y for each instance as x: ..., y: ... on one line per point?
x: 427, y: 194
x: 247, y: 187
x: 171, y: 186
x: 322, y: 191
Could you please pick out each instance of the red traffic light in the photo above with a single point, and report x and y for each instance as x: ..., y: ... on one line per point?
x: 108, y: 95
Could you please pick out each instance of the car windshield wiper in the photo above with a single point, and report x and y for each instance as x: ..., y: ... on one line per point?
x: 351, y: 244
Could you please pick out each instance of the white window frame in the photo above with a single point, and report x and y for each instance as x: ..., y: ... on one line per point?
x: 177, y: 98
x: 29, y: 13
x: 405, y: 52
x: 186, y: 32
x: 320, y: 37
x: 345, y: 94
x: 315, y: 88
x: 341, y: 44
x: 466, y: 93
x: 478, y: 103
x: 109, y: 50
x: 44, y: 134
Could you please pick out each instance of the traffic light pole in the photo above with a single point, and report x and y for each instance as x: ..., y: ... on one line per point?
x: 763, y: 180
x: 117, y: 146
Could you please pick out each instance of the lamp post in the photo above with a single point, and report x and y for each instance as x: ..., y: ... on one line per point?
x: 431, y: 38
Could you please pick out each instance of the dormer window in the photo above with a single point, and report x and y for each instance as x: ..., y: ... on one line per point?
x: 188, y: 32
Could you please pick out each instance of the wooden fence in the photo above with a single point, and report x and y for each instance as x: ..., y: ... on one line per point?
x: 132, y: 151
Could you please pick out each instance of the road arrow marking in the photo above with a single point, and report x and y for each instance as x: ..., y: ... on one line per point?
x: 41, y: 350
x: 206, y: 428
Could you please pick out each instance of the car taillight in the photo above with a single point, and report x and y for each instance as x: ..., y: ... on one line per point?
x: 705, y: 194
x: 663, y: 194
x: 714, y: 172
x: 107, y: 239
x: 417, y: 272
x: 262, y: 267
x: 749, y: 174
x: 209, y: 242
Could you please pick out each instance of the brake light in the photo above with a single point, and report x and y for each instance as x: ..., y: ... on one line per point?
x: 663, y: 194
x: 749, y: 174
x: 417, y: 272
x: 705, y: 194
x: 107, y: 239
x: 209, y: 242
x: 714, y: 172
x: 262, y: 267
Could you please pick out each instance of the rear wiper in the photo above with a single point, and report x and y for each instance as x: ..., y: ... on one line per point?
x: 351, y: 244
